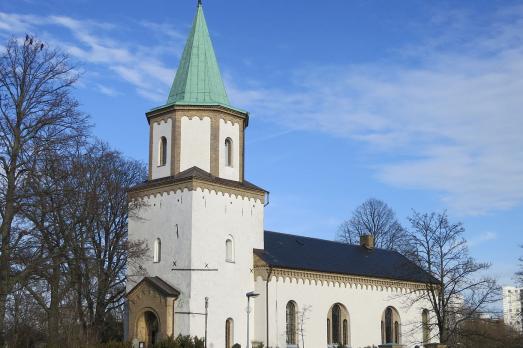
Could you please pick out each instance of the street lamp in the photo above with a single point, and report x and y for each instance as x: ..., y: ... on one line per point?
x: 249, y: 295
x: 206, y: 316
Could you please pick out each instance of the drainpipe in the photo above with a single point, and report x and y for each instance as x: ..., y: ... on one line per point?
x: 267, y: 303
x: 267, y: 283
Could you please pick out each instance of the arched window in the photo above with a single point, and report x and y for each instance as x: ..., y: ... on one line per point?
x: 228, y: 152
x: 291, y: 323
x: 157, y: 252
x: 162, y: 151
x: 229, y: 249
x: 229, y: 333
x: 390, y: 326
x: 338, y: 325
x: 426, y: 326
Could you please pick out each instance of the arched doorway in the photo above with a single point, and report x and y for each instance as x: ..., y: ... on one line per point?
x: 148, y: 327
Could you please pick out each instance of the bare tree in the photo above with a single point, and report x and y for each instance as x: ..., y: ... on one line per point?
x: 519, y: 274
x: 51, y: 212
x: 457, y: 289
x: 489, y: 333
x: 519, y: 279
x: 303, y: 316
x: 25, y: 321
x: 79, y: 210
x: 36, y: 112
x: 374, y: 217
x: 107, y: 176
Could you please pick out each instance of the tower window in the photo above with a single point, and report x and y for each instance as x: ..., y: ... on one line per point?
x: 228, y: 152
x: 157, y: 253
x: 229, y: 249
x: 162, y: 151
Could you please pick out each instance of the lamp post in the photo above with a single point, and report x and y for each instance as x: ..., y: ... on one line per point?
x: 249, y: 295
x: 206, y: 316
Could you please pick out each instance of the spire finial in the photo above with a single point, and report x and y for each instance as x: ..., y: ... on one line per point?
x: 199, y: 2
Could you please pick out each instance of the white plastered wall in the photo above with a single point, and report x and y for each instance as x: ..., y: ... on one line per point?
x: 216, y: 217
x: 167, y: 216
x: 364, y: 304
x: 204, y: 220
x: 161, y: 129
x: 195, y: 143
x: 232, y: 131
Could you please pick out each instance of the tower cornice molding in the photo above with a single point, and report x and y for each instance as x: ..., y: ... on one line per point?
x: 226, y: 113
x: 153, y: 189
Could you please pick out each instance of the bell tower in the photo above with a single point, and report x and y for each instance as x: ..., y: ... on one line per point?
x: 197, y: 127
x: 199, y: 217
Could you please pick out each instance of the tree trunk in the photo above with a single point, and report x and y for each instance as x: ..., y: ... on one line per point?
x: 2, y: 316
x: 5, y: 264
x: 443, y: 335
x: 6, y: 226
x: 99, y: 317
x: 53, y: 317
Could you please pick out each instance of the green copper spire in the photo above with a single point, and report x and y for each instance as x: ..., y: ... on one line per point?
x: 198, y: 79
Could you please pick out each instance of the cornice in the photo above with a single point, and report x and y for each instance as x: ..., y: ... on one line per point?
x: 227, y: 114
x: 336, y: 280
x: 193, y: 185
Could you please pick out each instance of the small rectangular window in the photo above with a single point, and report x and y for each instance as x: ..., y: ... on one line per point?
x: 162, y: 152
x: 228, y: 152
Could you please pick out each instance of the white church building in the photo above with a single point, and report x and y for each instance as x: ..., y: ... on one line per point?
x: 213, y: 271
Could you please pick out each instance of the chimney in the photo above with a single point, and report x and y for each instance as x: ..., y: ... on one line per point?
x: 367, y: 241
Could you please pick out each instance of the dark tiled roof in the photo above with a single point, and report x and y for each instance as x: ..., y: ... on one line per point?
x: 160, y: 285
x: 199, y: 174
x: 312, y: 254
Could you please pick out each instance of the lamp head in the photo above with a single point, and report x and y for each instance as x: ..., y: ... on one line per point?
x: 252, y: 294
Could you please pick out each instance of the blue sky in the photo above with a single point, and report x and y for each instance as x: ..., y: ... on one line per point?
x: 418, y: 103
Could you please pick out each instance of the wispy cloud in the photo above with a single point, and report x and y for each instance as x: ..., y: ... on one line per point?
x: 95, y: 44
x: 108, y: 91
x: 451, y: 122
x: 444, y: 115
x: 482, y: 238
x: 14, y: 23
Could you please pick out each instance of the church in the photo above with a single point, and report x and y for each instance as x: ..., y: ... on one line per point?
x: 213, y: 270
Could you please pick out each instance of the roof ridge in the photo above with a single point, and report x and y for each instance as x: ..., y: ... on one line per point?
x: 330, y: 241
